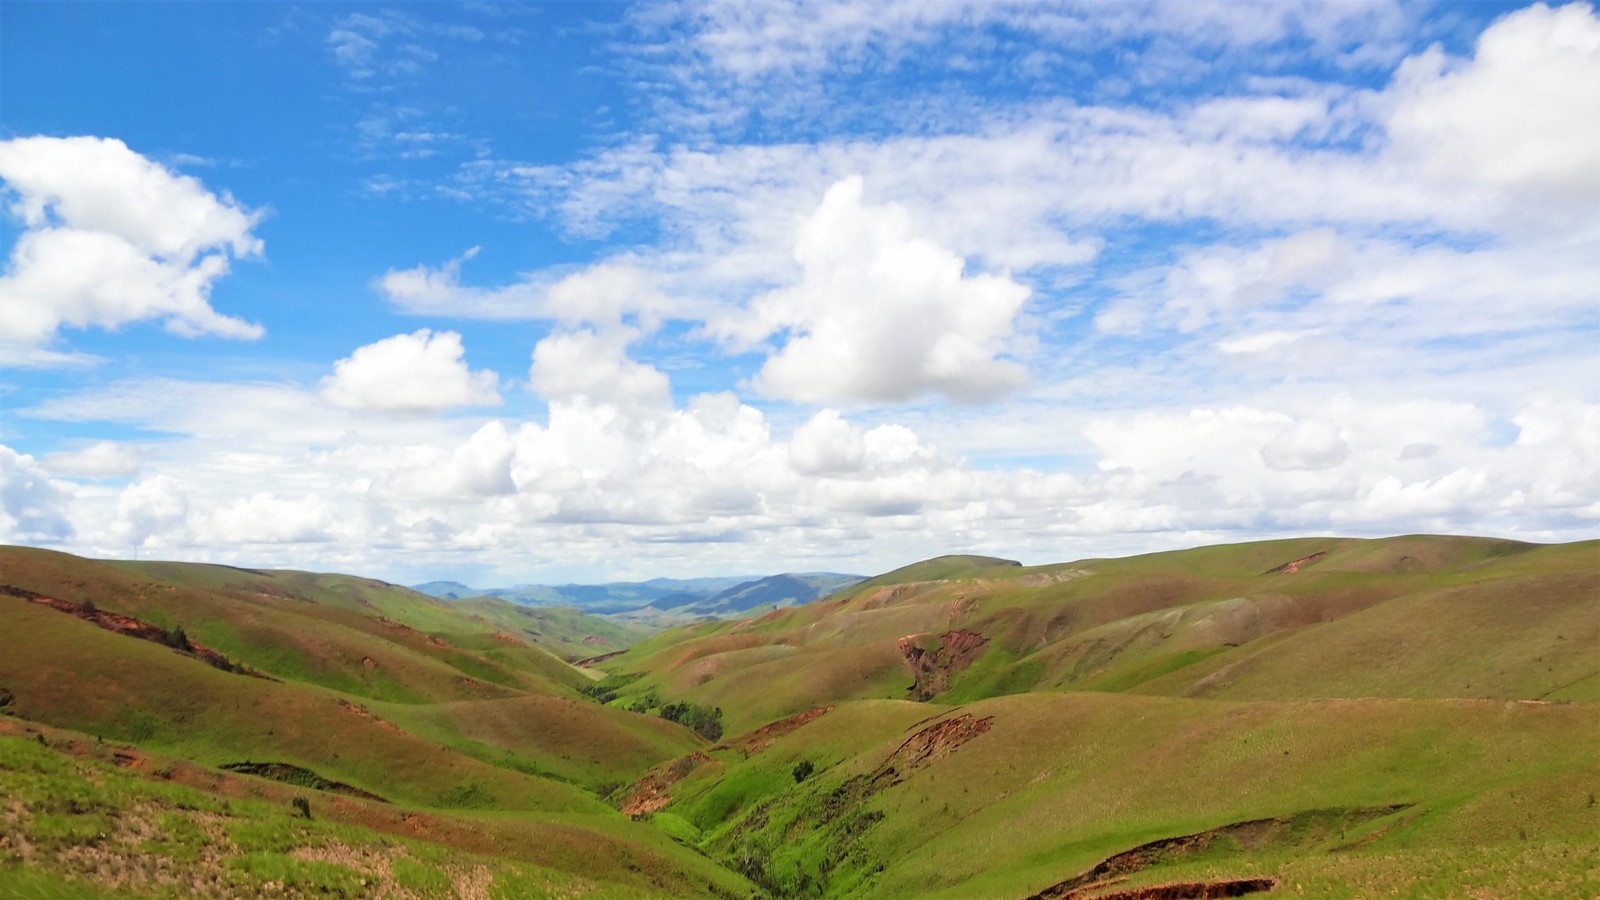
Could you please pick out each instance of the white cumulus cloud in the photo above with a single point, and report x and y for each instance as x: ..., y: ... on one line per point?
x: 111, y: 238
x: 1523, y: 114
x: 595, y: 366
x: 881, y: 314
x: 267, y: 519
x: 419, y: 372
x: 32, y: 506
x: 101, y: 459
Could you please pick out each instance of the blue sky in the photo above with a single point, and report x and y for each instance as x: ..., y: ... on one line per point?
x: 580, y: 291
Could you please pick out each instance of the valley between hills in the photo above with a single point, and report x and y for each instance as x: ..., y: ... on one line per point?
x: 1415, y: 716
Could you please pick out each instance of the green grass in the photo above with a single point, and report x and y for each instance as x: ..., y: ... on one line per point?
x: 83, y: 821
x: 1125, y: 701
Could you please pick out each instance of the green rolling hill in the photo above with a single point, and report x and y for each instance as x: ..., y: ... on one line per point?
x: 1413, y: 716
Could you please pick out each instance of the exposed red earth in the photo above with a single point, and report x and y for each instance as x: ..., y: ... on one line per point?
x: 650, y: 793
x: 933, y: 669
x: 127, y: 625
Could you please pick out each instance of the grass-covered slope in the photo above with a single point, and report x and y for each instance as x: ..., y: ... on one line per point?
x: 1008, y: 796
x: 1419, y: 616
x: 337, y: 684
x: 1414, y: 716
x: 90, y: 819
x: 562, y: 630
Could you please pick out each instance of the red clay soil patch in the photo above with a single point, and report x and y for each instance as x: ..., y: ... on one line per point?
x: 128, y: 625
x: 762, y: 738
x: 884, y: 596
x: 932, y: 669
x: 934, y: 742
x: 594, y: 640
x: 1295, y: 565
x: 365, y: 713
x: 412, y: 632
x: 649, y: 793
x: 585, y: 663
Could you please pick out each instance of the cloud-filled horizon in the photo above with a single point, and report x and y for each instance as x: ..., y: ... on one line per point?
x: 581, y: 292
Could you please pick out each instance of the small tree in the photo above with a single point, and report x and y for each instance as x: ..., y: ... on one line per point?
x: 177, y: 640
x: 302, y: 806
x: 803, y: 770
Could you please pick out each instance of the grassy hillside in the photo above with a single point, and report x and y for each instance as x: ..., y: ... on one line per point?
x: 1414, y: 716
x: 95, y: 819
x: 352, y: 686
x: 1429, y: 796
x: 562, y: 630
x: 1404, y: 617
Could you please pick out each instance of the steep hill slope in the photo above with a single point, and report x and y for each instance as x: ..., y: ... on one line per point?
x: 345, y: 686
x: 1414, y: 716
x: 1404, y: 617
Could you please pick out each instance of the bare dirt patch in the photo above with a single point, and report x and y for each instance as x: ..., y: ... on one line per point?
x: 585, y: 663
x: 762, y: 738
x: 933, y: 742
x: 650, y: 793
x: 933, y: 669
x: 362, y: 712
x: 1254, y: 832
x: 135, y: 628
x: 1295, y: 565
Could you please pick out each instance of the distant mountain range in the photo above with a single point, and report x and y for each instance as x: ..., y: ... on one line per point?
x: 694, y: 598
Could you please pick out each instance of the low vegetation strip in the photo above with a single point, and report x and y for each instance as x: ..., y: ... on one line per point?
x: 297, y: 776
x: 115, y: 622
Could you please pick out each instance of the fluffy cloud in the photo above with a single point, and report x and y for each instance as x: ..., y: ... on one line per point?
x: 1286, y: 306
x: 153, y: 512
x: 1519, y: 116
x: 479, y: 467
x: 827, y: 445
x: 33, y: 507
x: 265, y: 518
x: 101, y: 459
x: 595, y: 366
x: 881, y: 314
x: 112, y: 238
x: 418, y: 372
x: 716, y: 474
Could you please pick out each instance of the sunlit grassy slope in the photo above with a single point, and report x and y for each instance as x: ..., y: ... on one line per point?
x: 90, y: 819
x: 1417, y: 616
x: 1415, y: 716
x: 355, y: 682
